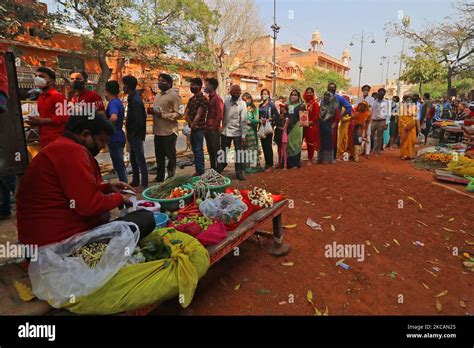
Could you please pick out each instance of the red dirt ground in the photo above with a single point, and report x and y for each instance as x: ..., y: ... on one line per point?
x: 366, y: 195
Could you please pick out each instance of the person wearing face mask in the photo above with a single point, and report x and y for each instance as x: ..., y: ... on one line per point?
x: 345, y: 108
x: 294, y: 130
x: 311, y: 133
x: 115, y: 113
x: 267, y: 113
x: 328, y: 117
x: 252, y: 165
x: 195, y: 116
x: 166, y: 113
x: 213, y: 121
x: 52, y: 115
x: 86, y: 101
x: 61, y: 192
x: 234, y: 130
x: 370, y: 101
x: 408, y: 126
x: 380, y: 119
x: 135, y: 125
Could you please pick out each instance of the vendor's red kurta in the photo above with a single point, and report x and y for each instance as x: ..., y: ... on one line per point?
x: 62, y: 194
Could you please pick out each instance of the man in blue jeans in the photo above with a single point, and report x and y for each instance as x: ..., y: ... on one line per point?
x: 195, y: 115
x: 115, y: 113
x: 136, y: 131
x: 7, y: 186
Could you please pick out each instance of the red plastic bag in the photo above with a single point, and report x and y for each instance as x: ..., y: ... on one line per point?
x: 191, y: 228
x: 213, y: 235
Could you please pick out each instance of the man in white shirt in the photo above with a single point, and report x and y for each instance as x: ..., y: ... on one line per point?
x: 380, y: 119
x: 234, y: 130
x: 370, y: 100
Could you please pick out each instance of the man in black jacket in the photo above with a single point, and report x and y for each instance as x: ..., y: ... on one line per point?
x: 136, y: 131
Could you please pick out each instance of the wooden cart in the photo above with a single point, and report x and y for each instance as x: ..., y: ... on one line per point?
x: 10, y: 303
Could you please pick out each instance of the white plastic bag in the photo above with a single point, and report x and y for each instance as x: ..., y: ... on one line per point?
x: 57, y: 277
x: 225, y: 207
x: 265, y: 129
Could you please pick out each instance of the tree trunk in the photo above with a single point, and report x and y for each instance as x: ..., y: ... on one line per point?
x: 450, y: 81
x: 221, y: 78
x: 105, y: 72
x: 419, y: 89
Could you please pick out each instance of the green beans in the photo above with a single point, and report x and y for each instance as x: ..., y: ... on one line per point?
x: 202, y: 221
x: 91, y: 253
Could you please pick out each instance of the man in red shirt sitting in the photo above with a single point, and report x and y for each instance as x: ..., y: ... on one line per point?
x: 51, y: 108
x: 87, y: 102
x: 62, y: 193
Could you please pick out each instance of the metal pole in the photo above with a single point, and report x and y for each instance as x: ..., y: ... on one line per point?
x: 382, y: 64
x: 360, y: 62
x: 399, y: 85
x: 274, y: 49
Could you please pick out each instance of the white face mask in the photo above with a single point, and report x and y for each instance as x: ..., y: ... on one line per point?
x: 265, y: 97
x: 40, y: 82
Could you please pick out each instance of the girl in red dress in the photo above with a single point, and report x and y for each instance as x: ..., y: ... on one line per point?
x: 311, y: 133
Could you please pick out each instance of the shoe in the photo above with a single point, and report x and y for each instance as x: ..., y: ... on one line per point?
x: 240, y: 177
x: 134, y: 184
x: 171, y: 174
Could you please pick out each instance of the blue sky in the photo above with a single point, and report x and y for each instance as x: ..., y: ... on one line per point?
x: 339, y: 20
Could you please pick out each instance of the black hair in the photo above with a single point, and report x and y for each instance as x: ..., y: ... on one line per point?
x: 82, y: 72
x: 396, y: 98
x: 382, y: 89
x: 112, y: 87
x: 297, y: 92
x: 309, y: 89
x: 96, y: 125
x: 51, y: 74
x: 248, y: 95
x: 213, y: 82
x: 374, y: 94
x: 263, y: 90
x: 416, y: 95
x: 196, y: 81
x: 364, y: 87
x: 130, y: 81
x: 167, y: 78
x: 332, y: 83
x: 426, y: 95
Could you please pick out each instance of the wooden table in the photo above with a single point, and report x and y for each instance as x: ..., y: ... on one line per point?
x: 11, y: 304
x: 451, y: 129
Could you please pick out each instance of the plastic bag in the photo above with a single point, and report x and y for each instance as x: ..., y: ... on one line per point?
x: 470, y: 185
x: 57, y: 278
x: 225, y: 207
x: 152, y: 282
x: 463, y: 166
x: 265, y: 130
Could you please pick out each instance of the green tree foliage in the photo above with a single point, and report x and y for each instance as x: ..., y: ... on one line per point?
x: 318, y: 79
x: 142, y: 29
x: 449, y: 43
x: 420, y: 69
x: 13, y: 17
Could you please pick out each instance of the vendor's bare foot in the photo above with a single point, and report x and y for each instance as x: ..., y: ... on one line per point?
x: 279, y: 249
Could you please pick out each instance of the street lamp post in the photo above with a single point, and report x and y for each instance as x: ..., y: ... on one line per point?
x: 361, y: 38
x: 405, y: 23
x: 383, y: 67
x: 275, y: 29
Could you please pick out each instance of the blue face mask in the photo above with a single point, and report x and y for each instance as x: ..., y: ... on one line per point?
x: 207, y: 90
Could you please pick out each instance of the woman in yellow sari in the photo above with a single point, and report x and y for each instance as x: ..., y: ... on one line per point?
x: 343, y: 133
x: 408, y: 125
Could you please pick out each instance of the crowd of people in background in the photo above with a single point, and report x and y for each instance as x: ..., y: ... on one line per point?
x: 329, y: 127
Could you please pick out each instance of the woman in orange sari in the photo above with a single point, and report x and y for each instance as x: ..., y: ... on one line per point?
x: 408, y: 125
x: 311, y: 133
x: 362, y: 117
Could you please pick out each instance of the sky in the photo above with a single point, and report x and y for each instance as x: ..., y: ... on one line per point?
x: 339, y: 20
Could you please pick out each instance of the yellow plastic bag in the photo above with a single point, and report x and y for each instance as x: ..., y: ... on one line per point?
x: 463, y: 166
x: 142, y: 284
